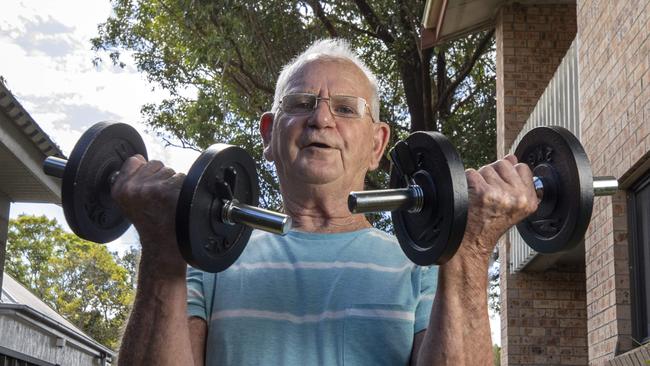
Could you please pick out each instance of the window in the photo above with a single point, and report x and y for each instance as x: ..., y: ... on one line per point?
x: 639, y: 236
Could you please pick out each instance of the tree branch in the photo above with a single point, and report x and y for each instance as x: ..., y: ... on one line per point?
x: 374, y: 21
x: 271, y: 63
x: 357, y: 29
x: 467, y: 68
x: 247, y: 74
x: 463, y: 102
x: 320, y: 14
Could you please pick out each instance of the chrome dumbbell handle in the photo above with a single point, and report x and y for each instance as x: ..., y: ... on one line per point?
x: 235, y: 212
x: 411, y: 198
x: 55, y: 167
x: 603, y: 186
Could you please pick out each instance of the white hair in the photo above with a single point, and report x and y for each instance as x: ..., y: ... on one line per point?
x: 326, y: 49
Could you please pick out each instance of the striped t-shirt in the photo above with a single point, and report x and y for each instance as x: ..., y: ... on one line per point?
x: 314, y: 299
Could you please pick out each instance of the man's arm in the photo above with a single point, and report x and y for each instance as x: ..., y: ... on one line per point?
x: 198, y: 333
x: 458, y: 331
x: 500, y: 195
x: 157, y: 332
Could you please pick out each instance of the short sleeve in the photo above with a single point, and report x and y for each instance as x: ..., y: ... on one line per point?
x: 196, y: 304
x: 428, y: 284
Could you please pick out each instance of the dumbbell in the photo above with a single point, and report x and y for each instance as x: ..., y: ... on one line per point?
x: 428, y: 198
x: 216, y: 209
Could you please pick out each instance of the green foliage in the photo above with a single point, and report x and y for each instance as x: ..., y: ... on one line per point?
x: 83, y: 281
x: 496, y: 351
x: 31, y: 242
x: 219, y: 60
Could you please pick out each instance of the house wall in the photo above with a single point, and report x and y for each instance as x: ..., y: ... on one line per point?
x: 614, y: 58
x: 531, y: 42
x: 37, y: 341
x: 543, y: 314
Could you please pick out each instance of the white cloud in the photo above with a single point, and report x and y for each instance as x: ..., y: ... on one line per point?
x: 47, y: 62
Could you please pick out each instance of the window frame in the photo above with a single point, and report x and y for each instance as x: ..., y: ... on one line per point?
x: 639, y: 273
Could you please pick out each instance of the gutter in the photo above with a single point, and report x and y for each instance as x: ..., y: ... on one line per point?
x: 102, y: 352
x: 432, y: 21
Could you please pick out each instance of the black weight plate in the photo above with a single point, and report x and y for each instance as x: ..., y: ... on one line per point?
x: 86, y: 193
x: 204, y: 241
x: 433, y: 235
x: 561, y: 225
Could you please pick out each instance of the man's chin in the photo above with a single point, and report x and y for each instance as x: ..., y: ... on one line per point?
x: 314, y: 175
x: 319, y: 178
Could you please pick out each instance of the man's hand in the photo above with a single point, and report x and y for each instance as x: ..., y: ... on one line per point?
x: 500, y: 195
x: 147, y: 194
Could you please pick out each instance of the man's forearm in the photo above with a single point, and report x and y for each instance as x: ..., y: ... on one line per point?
x: 459, y: 328
x: 157, y: 332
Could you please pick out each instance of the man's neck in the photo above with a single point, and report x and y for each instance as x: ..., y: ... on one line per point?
x: 320, y: 210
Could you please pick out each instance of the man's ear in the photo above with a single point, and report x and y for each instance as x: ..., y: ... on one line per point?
x: 381, y: 135
x: 266, y: 130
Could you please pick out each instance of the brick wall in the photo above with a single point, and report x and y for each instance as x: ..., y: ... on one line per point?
x: 531, y: 41
x: 614, y: 78
x: 543, y: 314
x: 544, y: 318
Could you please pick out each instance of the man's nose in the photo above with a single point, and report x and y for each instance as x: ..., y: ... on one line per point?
x: 322, y: 116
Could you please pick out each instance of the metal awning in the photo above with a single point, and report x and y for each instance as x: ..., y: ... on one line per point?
x: 23, y: 147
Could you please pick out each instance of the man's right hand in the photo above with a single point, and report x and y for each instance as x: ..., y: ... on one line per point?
x: 147, y: 194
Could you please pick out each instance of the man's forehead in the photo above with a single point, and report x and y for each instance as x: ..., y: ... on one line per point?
x: 337, y: 73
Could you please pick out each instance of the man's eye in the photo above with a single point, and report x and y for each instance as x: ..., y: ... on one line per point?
x: 344, y: 109
x: 303, y: 105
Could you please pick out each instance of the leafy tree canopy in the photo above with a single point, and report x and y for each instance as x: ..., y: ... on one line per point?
x: 81, y: 280
x: 219, y: 59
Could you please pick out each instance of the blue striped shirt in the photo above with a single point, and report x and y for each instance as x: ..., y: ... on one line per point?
x: 314, y: 299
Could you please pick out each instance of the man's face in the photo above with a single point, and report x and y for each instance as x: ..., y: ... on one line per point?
x: 320, y: 148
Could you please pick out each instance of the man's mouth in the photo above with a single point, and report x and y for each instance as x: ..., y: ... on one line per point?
x: 319, y: 145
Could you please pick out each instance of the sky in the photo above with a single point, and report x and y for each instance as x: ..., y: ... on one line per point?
x: 47, y: 63
x: 46, y: 60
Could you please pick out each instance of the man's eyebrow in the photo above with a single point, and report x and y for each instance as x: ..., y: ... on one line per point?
x: 301, y: 88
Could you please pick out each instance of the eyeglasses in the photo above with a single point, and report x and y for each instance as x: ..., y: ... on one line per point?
x: 340, y: 105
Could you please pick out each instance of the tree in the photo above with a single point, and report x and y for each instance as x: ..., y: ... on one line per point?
x: 81, y: 280
x: 31, y: 242
x: 496, y: 350
x: 219, y: 60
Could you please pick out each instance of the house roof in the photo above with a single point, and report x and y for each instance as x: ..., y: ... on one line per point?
x: 23, y: 147
x: 446, y: 20
x: 16, y: 297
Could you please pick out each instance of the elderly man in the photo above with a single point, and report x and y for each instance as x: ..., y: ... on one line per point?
x: 335, y: 290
